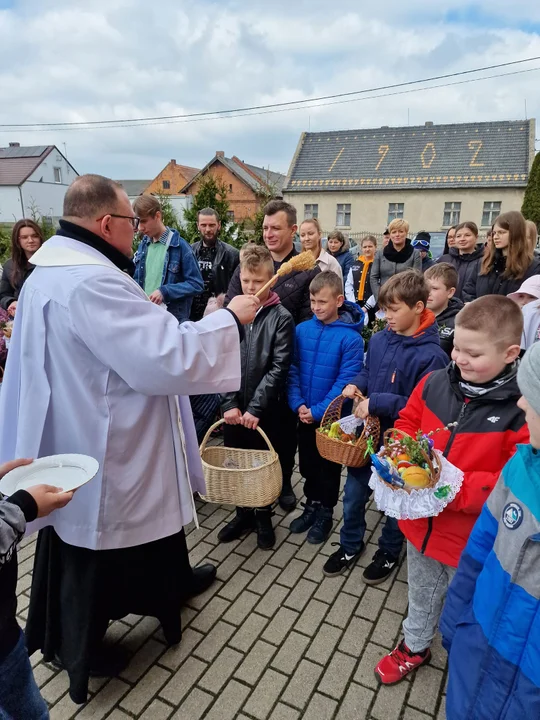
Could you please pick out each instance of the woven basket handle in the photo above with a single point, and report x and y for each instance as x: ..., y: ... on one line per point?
x: 220, y: 422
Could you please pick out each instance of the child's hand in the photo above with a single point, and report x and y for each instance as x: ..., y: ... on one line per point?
x: 250, y: 421
x: 233, y: 417
x: 362, y: 409
x: 9, y: 466
x: 49, y: 498
x: 350, y: 391
x: 305, y: 415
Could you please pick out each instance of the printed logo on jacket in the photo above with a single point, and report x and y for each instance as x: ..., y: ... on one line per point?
x: 512, y: 515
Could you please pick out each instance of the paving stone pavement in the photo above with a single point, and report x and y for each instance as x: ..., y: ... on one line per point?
x: 271, y: 639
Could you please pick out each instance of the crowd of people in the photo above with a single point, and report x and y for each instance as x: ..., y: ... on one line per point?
x: 107, y: 349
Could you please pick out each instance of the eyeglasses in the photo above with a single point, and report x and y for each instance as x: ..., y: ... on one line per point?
x: 422, y: 243
x: 134, y: 219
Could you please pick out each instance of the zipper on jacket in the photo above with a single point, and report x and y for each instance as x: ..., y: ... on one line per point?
x: 249, y: 334
x: 427, y: 535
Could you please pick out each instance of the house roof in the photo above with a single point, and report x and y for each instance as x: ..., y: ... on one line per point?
x: 251, y: 175
x: 134, y: 187
x: 188, y: 172
x: 464, y: 155
x: 18, y: 163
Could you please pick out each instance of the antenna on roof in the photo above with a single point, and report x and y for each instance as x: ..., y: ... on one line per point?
x: 408, y: 116
x: 525, y: 108
x: 65, y: 150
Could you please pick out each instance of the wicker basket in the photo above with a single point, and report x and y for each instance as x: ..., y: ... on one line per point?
x: 434, y: 463
x: 345, y: 453
x: 253, y: 480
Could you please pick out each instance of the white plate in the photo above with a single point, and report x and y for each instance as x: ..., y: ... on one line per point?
x: 68, y: 472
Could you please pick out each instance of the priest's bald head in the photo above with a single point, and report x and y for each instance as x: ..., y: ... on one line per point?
x: 102, y: 206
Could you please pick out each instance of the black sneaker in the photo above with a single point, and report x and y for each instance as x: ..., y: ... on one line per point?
x: 266, y: 537
x: 322, y: 527
x: 306, y: 519
x: 243, y: 523
x: 337, y: 563
x: 380, y: 568
x: 287, y: 499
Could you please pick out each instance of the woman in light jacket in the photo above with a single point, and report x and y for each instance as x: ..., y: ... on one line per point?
x: 311, y: 239
x: 395, y: 257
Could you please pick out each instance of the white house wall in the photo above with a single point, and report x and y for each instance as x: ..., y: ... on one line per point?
x: 10, y: 204
x: 41, y: 192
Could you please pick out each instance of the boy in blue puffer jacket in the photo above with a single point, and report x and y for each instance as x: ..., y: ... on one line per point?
x: 328, y: 354
x: 491, y: 621
x: 397, y: 358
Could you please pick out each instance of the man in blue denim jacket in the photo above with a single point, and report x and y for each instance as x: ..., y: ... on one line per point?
x: 165, y: 266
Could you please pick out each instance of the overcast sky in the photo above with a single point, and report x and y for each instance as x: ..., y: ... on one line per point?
x: 62, y: 60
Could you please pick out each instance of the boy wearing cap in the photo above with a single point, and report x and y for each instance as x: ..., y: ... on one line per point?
x: 422, y: 243
x: 490, y: 623
x: 528, y: 298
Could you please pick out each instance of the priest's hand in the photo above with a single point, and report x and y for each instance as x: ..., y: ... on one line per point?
x: 250, y: 421
x: 233, y: 417
x: 156, y: 297
x: 49, y: 498
x: 244, y: 307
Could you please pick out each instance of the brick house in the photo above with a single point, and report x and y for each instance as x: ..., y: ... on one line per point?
x: 171, y: 179
x: 242, y: 180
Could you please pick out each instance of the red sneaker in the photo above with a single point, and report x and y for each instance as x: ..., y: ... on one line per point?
x: 400, y: 662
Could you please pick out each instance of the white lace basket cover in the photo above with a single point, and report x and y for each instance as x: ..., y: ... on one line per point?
x: 420, y: 503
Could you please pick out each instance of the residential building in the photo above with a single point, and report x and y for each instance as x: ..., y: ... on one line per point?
x: 33, y: 180
x: 244, y: 183
x: 134, y: 188
x: 432, y: 175
x: 171, y: 179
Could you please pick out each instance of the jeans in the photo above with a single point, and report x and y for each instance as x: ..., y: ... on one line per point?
x: 355, y: 498
x: 20, y: 698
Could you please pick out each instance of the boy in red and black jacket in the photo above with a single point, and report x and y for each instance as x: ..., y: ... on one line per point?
x: 478, y: 392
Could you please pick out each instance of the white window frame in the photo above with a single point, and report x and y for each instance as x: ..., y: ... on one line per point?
x: 57, y: 172
x: 396, y: 211
x: 451, y: 213
x: 492, y: 209
x: 312, y: 212
x: 343, y: 215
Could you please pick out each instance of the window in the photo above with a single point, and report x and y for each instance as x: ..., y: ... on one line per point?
x: 166, y: 185
x: 452, y: 211
x: 230, y: 215
x: 343, y: 215
x: 395, y: 211
x: 57, y: 174
x: 491, y: 212
x: 311, y: 211
x: 230, y: 187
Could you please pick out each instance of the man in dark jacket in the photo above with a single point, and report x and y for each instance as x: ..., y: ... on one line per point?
x: 279, y: 230
x: 217, y: 261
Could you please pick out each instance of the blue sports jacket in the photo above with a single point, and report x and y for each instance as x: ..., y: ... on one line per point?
x: 491, y: 621
x: 326, y: 358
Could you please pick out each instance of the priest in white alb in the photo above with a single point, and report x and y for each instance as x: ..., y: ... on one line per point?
x: 95, y: 368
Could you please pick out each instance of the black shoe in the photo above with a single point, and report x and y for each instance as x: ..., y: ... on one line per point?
x: 243, y: 523
x: 380, y: 568
x: 337, y: 563
x: 306, y: 519
x: 203, y: 576
x: 287, y: 499
x: 322, y: 527
x: 266, y: 537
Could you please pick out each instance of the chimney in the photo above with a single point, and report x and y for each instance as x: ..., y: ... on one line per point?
x: 385, y: 127
x: 220, y: 153
x: 429, y: 123
x: 173, y: 162
x: 14, y: 144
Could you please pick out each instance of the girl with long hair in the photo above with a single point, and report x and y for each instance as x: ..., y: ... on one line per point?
x: 311, y: 239
x: 26, y: 238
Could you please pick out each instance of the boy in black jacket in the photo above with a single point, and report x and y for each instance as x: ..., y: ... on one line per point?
x: 265, y: 356
x: 442, y: 280
x: 19, y: 694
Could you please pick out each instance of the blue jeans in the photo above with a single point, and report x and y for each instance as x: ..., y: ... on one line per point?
x: 355, y: 498
x: 20, y: 698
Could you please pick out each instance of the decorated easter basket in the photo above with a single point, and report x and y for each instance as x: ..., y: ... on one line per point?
x: 353, y: 452
x: 411, y: 480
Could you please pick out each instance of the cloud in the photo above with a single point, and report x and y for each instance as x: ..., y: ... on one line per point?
x: 63, y: 62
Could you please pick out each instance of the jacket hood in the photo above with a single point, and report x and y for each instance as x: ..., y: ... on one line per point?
x: 272, y: 299
x: 509, y: 392
x: 477, y: 253
x: 427, y: 333
x: 350, y: 316
x: 454, y: 306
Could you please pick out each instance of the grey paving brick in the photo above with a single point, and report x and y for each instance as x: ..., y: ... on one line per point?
x: 439, y: 656
x: 116, y: 631
x: 292, y: 573
x: 199, y: 553
x: 285, y: 553
x: 194, y: 706
x: 65, y: 709
x: 196, y: 536
x: 355, y: 585
x: 264, y: 696
x: 157, y: 710
x: 102, y: 703
x: 255, y: 662
x: 248, y: 632
x: 56, y: 687
x: 42, y: 674
x: 223, y: 550
x: 387, y: 628
x: 272, y: 600
x: 208, y: 617
x: 312, y: 617
x: 221, y: 670
x: 176, y: 654
x: 365, y: 672
x: 320, y: 708
x: 329, y: 589
x: 442, y: 709
x: 231, y: 563
x: 341, y: 610
x: 142, y: 660
x: 145, y: 690
x: 256, y: 562
x: 300, y: 595
x: 183, y: 680
x: 264, y: 578
x: 411, y: 714
x: 241, y: 608
x: 355, y: 636
x: 199, y: 601
x: 324, y: 643
x: 280, y: 625
x: 302, y: 684
x: 284, y: 712
x: 290, y: 653
x: 248, y: 545
x: 140, y: 633
x: 307, y: 551
x: 371, y: 603
x: 233, y: 587
x: 214, y: 642
x: 389, y: 701
x: 356, y: 703
x: 337, y: 674
x: 314, y: 569
x: 229, y: 702
x: 216, y: 518
x: 426, y: 688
